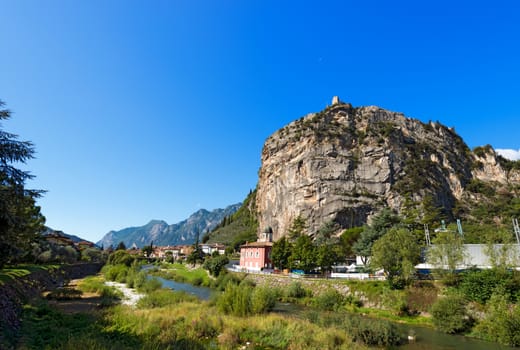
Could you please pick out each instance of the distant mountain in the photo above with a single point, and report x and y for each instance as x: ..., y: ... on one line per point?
x: 74, y: 238
x: 161, y: 233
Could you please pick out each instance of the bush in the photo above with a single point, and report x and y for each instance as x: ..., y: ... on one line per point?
x: 121, y: 257
x: 224, y: 278
x: 263, y: 300
x: 478, y: 285
x: 150, y: 285
x: 329, y: 300
x: 296, y: 290
x: 373, y: 332
x: 235, y: 300
x: 502, y: 322
x: 115, y: 272
x: 449, y: 314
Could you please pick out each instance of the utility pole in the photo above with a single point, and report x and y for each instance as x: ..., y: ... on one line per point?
x: 516, y: 228
x: 459, y: 228
x: 427, y: 235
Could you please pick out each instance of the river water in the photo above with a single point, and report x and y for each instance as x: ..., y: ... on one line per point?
x: 202, y: 293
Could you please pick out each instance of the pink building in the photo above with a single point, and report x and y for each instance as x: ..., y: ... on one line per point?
x: 256, y: 256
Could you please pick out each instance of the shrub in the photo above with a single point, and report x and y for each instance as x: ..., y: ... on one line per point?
x: 373, y: 332
x: 449, y: 314
x: 296, y: 290
x: 150, y: 285
x: 115, y: 272
x: 121, y: 257
x: 235, y: 300
x: 502, y: 322
x: 478, y: 285
x: 263, y: 300
x: 329, y: 300
x: 224, y: 278
x: 244, y: 300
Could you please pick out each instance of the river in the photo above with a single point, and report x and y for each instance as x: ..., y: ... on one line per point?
x: 426, y: 338
x: 202, y: 293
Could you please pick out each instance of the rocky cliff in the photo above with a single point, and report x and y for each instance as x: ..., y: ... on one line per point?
x: 345, y: 163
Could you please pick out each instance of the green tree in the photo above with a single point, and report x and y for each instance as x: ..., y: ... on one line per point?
x: 196, y: 255
x: 328, y: 251
x: 381, y: 223
x: 347, y: 240
x: 169, y: 256
x: 21, y: 222
x: 281, y: 253
x: 446, y: 253
x: 148, y: 250
x: 303, y: 256
x: 397, y: 252
x: 500, y: 250
x: 121, y: 246
x: 297, y: 229
x: 215, y: 264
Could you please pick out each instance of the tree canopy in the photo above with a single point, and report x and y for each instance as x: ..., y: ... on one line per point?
x: 397, y: 252
x: 381, y: 223
x: 21, y: 222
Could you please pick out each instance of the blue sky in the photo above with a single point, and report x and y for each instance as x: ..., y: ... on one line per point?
x: 145, y: 110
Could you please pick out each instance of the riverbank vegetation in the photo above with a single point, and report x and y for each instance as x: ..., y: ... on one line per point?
x: 165, y: 319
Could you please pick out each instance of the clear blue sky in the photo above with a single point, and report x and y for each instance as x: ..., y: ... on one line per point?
x: 146, y: 110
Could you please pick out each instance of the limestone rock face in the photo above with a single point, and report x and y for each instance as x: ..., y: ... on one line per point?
x: 345, y: 163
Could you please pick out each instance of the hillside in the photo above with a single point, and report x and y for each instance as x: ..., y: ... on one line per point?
x: 345, y: 163
x: 238, y: 228
x: 161, y: 233
x: 74, y: 238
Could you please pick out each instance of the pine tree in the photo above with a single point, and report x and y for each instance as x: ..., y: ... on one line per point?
x: 21, y: 222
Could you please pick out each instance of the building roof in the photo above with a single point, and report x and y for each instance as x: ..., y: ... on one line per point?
x: 257, y: 245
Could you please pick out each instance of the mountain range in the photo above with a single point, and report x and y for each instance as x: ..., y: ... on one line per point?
x: 159, y: 232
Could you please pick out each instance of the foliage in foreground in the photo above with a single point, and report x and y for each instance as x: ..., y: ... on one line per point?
x: 245, y: 300
x: 183, y: 325
x: 449, y: 314
x: 502, y: 321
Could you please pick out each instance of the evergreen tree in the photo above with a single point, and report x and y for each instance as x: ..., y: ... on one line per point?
x: 121, y: 246
x: 281, y: 253
x: 197, y: 255
x: 21, y: 222
x: 297, y: 229
x: 303, y: 256
x: 381, y: 223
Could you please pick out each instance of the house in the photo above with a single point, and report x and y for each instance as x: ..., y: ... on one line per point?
x: 210, y: 248
x: 256, y: 256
